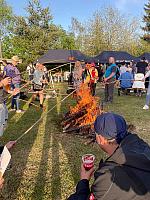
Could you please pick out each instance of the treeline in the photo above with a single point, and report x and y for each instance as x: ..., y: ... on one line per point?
x: 35, y: 33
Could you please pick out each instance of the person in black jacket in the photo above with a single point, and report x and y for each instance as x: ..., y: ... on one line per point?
x: 141, y: 66
x: 125, y: 175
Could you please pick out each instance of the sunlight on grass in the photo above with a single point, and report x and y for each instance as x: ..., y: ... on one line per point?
x: 33, y: 163
x: 58, y: 101
x: 48, y: 175
x: 17, y: 116
x: 66, y: 178
x: 46, y: 162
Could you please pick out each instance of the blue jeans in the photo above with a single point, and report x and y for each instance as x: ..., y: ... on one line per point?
x: 15, y: 99
x: 148, y: 96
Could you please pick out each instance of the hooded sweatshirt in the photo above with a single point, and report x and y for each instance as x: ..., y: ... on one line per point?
x: 123, y: 176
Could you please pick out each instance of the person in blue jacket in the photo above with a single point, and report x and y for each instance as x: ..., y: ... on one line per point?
x: 109, y: 79
x: 126, y: 82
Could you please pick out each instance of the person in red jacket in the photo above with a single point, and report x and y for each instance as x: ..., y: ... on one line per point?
x: 93, y: 78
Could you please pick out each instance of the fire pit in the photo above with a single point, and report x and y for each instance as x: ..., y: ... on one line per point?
x: 80, y: 118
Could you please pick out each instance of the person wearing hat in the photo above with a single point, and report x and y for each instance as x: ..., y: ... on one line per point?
x: 93, y: 78
x: 13, y: 72
x: 125, y: 174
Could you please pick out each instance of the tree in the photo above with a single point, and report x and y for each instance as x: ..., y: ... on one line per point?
x: 35, y: 34
x: 78, y: 31
x: 66, y: 40
x: 108, y: 29
x: 146, y: 20
x: 6, y: 20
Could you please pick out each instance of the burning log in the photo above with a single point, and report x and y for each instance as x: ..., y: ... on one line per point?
x: 70, y: 113
x: 74, y: 116
x: 77, y: 129
x: 79, y: 119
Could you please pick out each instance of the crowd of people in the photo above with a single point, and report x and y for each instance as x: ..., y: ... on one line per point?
x: 125, y: 174
x: 10, y: 80
x: 130, y: 76
x: 10, y: 83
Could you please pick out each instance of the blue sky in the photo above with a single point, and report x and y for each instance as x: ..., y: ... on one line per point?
x: 63, y: 10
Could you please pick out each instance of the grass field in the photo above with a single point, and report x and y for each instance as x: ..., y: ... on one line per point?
x: 46, y: 162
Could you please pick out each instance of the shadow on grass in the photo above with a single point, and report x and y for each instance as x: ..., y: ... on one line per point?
x: 12, y: 113
x: 56, y: 181
x: 74, y: 147
x: 49, y: 142
x: 21, y: 152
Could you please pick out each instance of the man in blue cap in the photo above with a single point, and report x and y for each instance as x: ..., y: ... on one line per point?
x: 125, y: 174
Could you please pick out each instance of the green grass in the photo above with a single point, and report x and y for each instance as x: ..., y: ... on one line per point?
x: 46, y: 162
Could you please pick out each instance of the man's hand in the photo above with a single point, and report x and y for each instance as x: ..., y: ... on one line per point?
x: 105, y: 80
x: 117, y: 83
x: 15, y: 91
x: 6, y: 81
x: 143, y: 79
x: 84, y: 174
x: 10, y: 144
x: 1, y: 182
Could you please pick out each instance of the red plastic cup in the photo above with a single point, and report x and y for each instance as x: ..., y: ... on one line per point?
x: 88, y: 161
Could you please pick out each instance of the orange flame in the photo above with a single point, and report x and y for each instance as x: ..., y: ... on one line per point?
x: 85, y: 101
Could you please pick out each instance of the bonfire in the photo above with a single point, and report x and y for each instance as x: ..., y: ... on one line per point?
x: 81, y: 117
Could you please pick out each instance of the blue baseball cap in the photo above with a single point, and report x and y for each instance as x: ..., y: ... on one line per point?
x: 111, y: 126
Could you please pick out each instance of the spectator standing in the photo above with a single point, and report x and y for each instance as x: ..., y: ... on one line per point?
x: 100, y: 72
x: 147, y: 79
x: 38, y: 83
x: 109, y: 79
x: 141, y: 66
x: 93, y: 78
x: 46, y: 73
x: 13, y: 72
x: 30, y: 69
x: 146, y: 107
x: 86, y: 74
x: 77, y: 74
